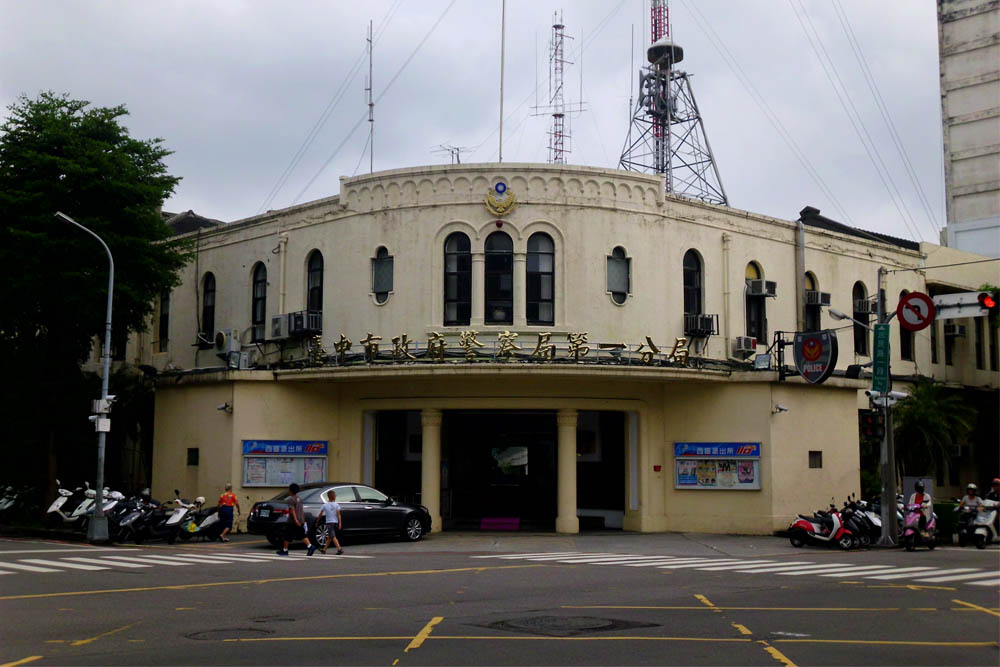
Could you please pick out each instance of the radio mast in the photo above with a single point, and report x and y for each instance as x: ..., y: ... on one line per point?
x: 667, y: 135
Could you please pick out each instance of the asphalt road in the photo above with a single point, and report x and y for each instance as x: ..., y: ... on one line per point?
x: 498, y: 599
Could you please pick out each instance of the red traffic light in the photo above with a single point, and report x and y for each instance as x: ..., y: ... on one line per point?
x: 987, y: 300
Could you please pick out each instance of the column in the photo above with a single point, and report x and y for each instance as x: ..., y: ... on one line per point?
x: 478, y: 289
x: 566, y: 519
x: 520, y: 283
x: 430, y: 465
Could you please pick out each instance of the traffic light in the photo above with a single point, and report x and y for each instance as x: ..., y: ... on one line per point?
x: 872, y: 423
x: 990, y: 302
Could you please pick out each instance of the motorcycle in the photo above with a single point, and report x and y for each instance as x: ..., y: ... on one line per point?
x: 965, y: 526
x: 864, y: 526
x: 821, y: 528
x: 63, y: 509
x: 912, y: 535
x: 985, y: 531
x: 204, y: 522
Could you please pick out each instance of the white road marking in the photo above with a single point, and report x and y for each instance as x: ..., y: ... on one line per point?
x: 960, y: 577
x: 990, y: 582
x: 855, y: 569
x: 52, y: 551
x: 604, y: 560
x: 61, y: 563
x: 543, y: 558
x: 749, y: 563
x: 148, y: 560
x: 542, y: 553
x: 886, y: 569
x: 786, y: 568
x: 934, y: 572
x: 700, y: 565
x: 97, y: 561
x: 28, y: 568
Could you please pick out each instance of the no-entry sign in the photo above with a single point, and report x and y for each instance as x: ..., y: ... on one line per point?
x: 915, y: 311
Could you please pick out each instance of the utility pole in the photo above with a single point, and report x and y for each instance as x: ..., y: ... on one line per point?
x: 881, y: 383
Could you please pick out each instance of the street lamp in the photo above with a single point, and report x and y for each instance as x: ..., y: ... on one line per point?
x: 837, y: 315
x: 97, y: 528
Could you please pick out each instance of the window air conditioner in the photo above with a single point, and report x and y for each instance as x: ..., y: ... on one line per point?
x: 864, y: 306
x: 954, y: 330
x: 305, y: 322
x: 700, y: 326
x: 744, y: 346
x: 279, y: 327
x: 815, y: 298
x: 762, y: 288
x: 226, y: 341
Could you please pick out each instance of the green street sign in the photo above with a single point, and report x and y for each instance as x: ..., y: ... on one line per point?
x: 880, y: 367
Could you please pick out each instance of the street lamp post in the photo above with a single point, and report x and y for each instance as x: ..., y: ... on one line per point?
x: 97, y: 528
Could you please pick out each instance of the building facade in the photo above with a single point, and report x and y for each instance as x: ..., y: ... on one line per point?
x: 558, y: 345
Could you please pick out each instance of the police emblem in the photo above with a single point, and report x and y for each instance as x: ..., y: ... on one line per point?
x: 500, y: 200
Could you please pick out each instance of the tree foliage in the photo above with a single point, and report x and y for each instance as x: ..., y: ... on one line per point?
x: 61, y: 154
x: 927, y: 425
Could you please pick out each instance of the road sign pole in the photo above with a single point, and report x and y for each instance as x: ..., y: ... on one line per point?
x: 882, y: 382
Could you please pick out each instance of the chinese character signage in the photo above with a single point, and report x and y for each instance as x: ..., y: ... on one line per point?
x: 285, y: 447
x: 731, y: 466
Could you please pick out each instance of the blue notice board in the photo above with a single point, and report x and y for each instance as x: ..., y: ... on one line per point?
x: 733, y: 466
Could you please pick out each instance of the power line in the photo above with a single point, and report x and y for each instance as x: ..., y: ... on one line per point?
x: 385, y: 90
x: 886, y: 116
x: 854, y: 116
x: 945, y: 266
x: 720, y: 46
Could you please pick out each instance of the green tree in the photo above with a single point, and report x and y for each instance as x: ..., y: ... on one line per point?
x: 60, y: 154
x: 927, y: 425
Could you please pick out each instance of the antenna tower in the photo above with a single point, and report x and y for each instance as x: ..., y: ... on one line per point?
x: 559, y: 132
x: 666, y: 135
x: 371, y: 106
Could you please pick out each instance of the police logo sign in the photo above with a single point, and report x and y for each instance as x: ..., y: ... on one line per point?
x: 815, y: 355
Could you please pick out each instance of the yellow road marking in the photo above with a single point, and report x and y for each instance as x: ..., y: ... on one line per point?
x: 181, y: 587
x: 744, y: 630
x: 705, y: 601
x: 30, y: 658
x: 776, y: 654
x: 713, y: 607
x: 423, y: 634
x: 81, y: 642
x: 498, y: 637
x: 885, y: 642
x: 976, y: 607
x: 56, y: 641
x: 396, y: 661
x: 183, y: 608
x: 314, y: 639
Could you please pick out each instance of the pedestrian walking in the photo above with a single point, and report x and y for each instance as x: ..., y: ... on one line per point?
x: 330, y: 512
x: 297, y: 527
x: 227, y: 501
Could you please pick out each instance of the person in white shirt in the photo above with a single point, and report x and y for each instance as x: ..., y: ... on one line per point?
x: 330, y: 511
x: 971, y: 499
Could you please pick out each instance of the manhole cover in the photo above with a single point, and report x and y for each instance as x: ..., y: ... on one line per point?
x: 229, y: 633
x: 565, y: 626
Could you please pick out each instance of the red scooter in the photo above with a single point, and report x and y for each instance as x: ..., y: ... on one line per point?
x: 821, y: 528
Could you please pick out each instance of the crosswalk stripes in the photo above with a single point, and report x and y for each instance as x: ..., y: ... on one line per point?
x: 139, y: 559
x: 923, y: 574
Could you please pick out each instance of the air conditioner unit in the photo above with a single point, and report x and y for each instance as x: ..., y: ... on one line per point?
x: 279, y: 327
x: 257, y: 333
x: 700, y: 326
x: 762, y: 288
x: 864, y: 306
x: 815, y: 298
x: 226, y: 341
x: 954, y: 330
x: 305, y: 322
x: 744, y: 346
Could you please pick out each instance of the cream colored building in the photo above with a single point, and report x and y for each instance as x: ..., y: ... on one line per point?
x: 598, y: 437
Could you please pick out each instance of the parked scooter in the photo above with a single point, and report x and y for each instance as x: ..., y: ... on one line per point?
x: 912, y: 535
x: 63, y: 510
x: 864, y: 526
x: 203, y: 523
x: 821, y: 528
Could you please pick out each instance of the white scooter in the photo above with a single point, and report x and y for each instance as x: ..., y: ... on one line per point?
x: 984, y: 532
x: 63, y: 509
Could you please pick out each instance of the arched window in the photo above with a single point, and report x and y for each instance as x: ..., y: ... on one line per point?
x: 692, y: 283
x: 859, y: 295
x: 812, y: 310
x: 457, y: 279
x: 905, y: 339
x: 756, y: 306
x: 314, y: 282
x: 259, y: 303
x: 382, y: 274
x: 207, y: 333
x: 540, y: 279
x: 499, y: 279
x: 619, y: 275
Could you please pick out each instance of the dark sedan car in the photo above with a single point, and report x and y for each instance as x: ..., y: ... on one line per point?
x: 364, y: 511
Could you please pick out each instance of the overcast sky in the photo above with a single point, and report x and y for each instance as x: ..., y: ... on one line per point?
x: 236, y: 88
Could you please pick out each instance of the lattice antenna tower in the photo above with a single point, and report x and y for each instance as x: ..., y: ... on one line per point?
x: 560, y: 134
x: 666, y: 133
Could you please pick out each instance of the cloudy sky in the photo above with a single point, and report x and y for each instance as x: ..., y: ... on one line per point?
x: 263, y: 103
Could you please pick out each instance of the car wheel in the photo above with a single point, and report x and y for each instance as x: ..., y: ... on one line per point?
x: 846, y: 541
x: 413, y: 529
x: 796, y: 538
x: 274, y: 540
x: 319, y: 539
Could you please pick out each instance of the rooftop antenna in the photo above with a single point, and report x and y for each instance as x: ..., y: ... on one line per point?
x: 556, y: 106
x: 503, y: 19
x: 666, y: 134
x: 454, y: 151
x: 371, y: 106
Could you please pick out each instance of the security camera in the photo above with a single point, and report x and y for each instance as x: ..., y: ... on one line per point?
x: 779, y: 408
x: 898, y: 395
x: 225, y: 407
x: 872, y: 394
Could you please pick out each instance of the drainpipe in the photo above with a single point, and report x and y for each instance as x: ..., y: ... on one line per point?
x: 800, y: 277
x: 283, y: 251
x: 726, y: 241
